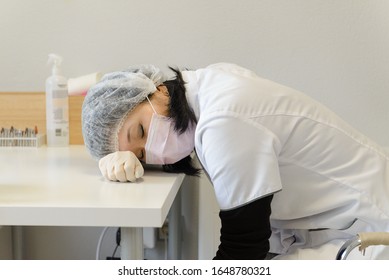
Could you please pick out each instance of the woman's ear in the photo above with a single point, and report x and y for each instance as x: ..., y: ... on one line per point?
x: 163, y: 89
x: 161, y: 98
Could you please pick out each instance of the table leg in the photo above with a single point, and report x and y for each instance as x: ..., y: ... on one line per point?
x: 175, y: 231
x: 17, y: 242
x: 131, y: 243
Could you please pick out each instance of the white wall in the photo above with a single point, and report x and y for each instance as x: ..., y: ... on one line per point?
x: 334, y: 50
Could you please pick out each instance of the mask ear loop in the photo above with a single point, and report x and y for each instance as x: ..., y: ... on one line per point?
x: 120, y: 124
x: 151, y: 105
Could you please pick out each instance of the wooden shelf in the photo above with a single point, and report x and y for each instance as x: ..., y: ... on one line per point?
x: 28, y: 109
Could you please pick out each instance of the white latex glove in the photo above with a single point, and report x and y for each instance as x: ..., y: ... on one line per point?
x: 121, y: 166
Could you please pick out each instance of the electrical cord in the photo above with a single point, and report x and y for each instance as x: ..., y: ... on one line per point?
x: 114, y: 252
x: 101, y: 239
x: 104, y: 231
x: 118, y: 240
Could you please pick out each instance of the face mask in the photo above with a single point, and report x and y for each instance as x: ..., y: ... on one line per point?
x: 164, y: 145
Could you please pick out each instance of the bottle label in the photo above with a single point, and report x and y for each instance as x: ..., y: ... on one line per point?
x: 60, y: 107
x: 58, y: 118
x: 60, y: 93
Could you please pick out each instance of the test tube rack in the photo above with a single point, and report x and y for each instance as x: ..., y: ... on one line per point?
x: 21, y: 138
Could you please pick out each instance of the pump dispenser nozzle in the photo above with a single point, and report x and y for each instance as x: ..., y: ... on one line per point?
x: 55, y: 60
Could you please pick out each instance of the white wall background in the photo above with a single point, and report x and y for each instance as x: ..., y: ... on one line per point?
x: 334, y: 50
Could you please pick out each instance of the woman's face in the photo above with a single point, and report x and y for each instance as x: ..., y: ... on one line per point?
x: 133, y: 134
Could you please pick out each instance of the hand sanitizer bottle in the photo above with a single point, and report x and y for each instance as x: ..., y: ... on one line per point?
x: 57, y: 105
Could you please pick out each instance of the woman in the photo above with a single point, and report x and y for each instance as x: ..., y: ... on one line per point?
x: 289, y: 175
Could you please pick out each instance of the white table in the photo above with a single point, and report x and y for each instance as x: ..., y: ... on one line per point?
x: 63, y: 187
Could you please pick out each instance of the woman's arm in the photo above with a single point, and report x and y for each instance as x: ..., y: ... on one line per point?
x: 245, y: 231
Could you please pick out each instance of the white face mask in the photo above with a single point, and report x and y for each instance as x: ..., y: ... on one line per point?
x: 164, y: 145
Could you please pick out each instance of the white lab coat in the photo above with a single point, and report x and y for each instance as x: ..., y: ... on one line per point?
x: 255, y: 137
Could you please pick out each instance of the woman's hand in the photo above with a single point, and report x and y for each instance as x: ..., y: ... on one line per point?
x: 121, y: 166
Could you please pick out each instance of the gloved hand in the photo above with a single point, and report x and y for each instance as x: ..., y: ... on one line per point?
x: 121, y: 166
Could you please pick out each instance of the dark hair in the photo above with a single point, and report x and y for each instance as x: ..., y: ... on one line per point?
x: 183, y: 116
